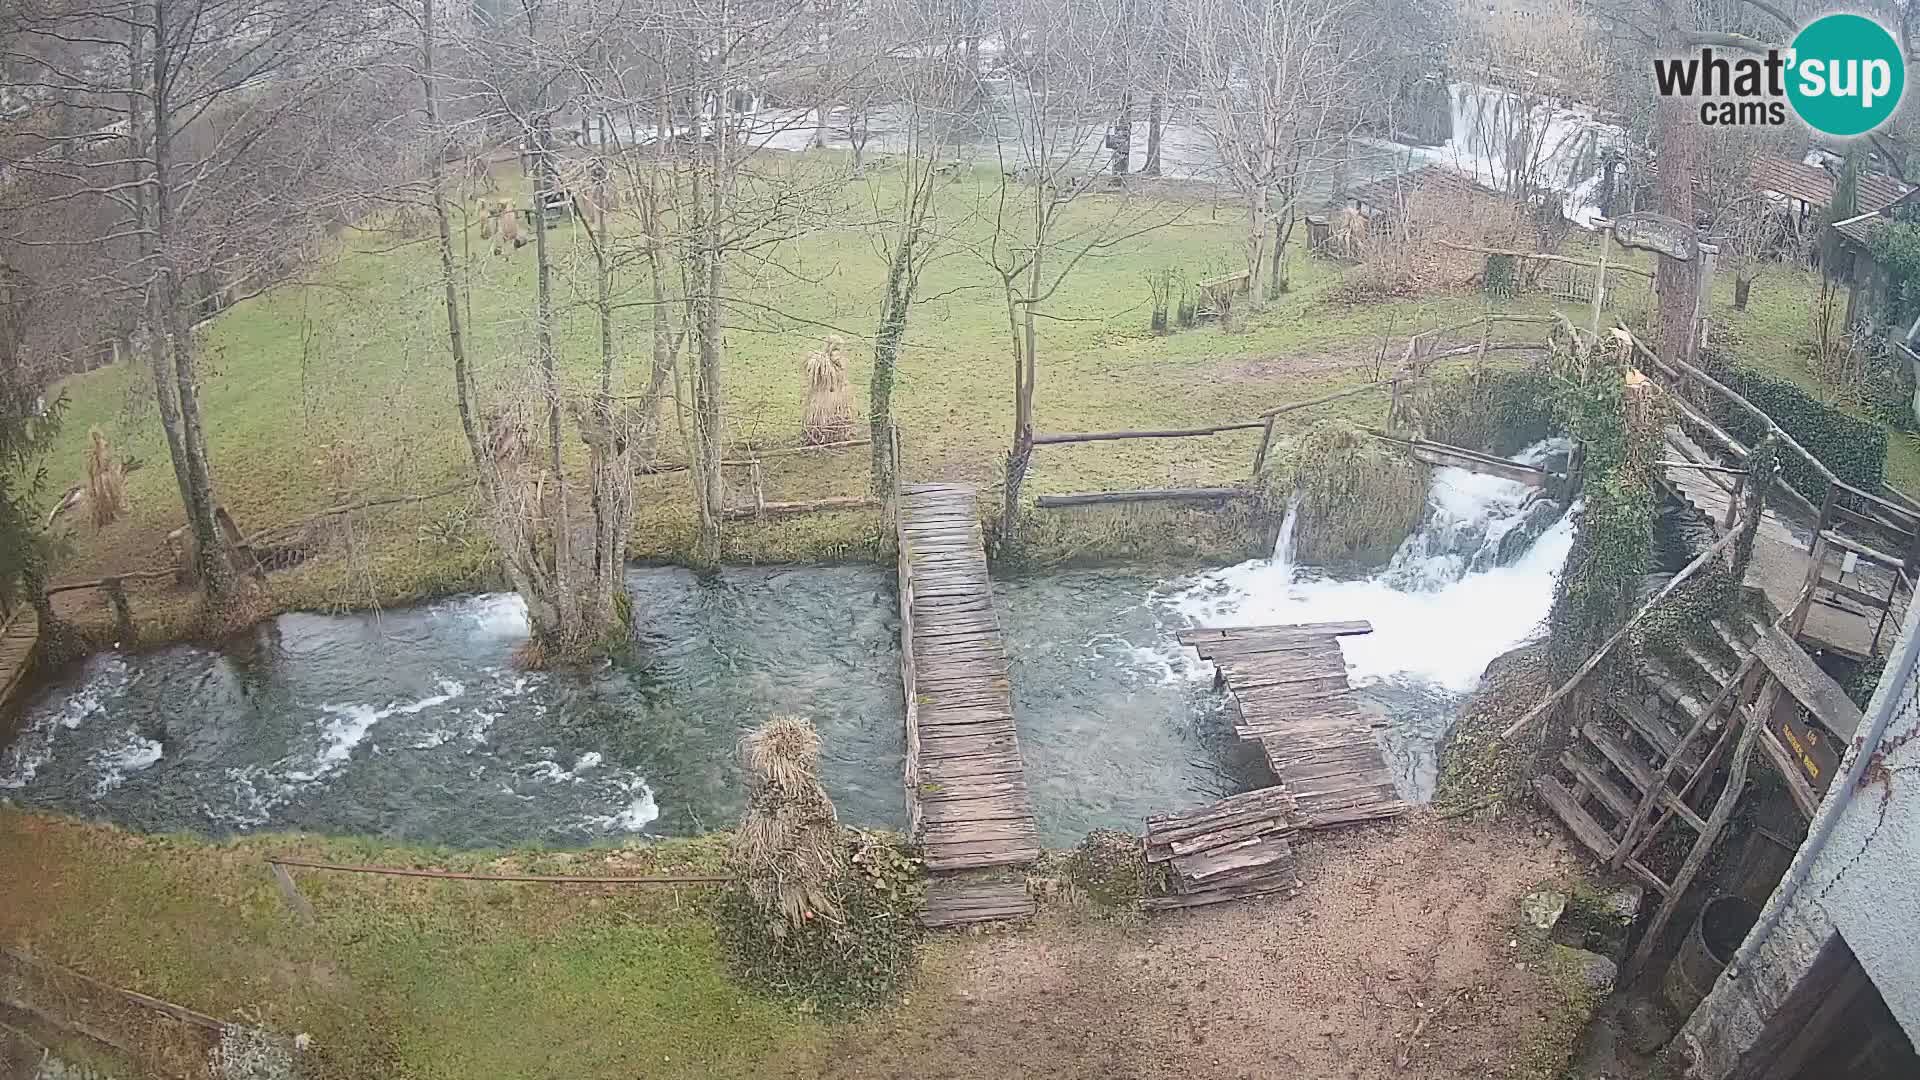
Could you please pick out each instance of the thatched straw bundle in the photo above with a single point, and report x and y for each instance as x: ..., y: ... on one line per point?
x: 106, y: 480
x: 788, y: 851
x: 829, y: 413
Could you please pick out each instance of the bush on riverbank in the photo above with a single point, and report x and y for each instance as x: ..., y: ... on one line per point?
x: 818, y: 915
x: 1359, y: 497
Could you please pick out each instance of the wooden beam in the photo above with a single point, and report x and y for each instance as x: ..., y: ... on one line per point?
x: 1594, y: 661
x: 1096, y: 498
x: 1651, y: 798
x: 1542, y: 256
x: 1703, y: 846
x: 1176, y: 433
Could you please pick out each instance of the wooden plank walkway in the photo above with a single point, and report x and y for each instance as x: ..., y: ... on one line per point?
x: 1228, y: 850
x: 967, y: 799
x: 17, y: 642
x: 1780, y: 559
x: 1290, y: 683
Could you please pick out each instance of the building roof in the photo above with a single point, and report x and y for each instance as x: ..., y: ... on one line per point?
x: 1809, y: 183
x: 1391, y: 190
x: 1877, y: 191
x: 1859, y: 228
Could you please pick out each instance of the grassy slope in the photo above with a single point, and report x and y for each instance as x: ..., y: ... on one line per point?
x: 357, y: 361
x: 401, y: 977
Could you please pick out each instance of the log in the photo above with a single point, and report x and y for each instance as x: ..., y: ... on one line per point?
x: 1176, y: 433
x: 543, y: 879
x: 785, y: 509
x: 1096, y: 498
x: 1544, y: 257
x: 1594, y: 661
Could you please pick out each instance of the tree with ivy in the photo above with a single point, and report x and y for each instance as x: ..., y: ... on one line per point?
x: 28, y: 424
x: 1618, y: 420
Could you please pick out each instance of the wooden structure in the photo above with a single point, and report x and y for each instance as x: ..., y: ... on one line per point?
x: 1415, y: 367
x: 1848, y: 525
x: 19, y: 640
x: 1289, y: 685
x: 1228, y: 850
x: 967, y: 800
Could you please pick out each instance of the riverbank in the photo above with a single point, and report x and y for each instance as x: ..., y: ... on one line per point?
x: 444, y: 979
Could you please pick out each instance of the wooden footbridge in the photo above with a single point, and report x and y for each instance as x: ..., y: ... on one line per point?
x: 967, y: 800
x: 18, y: 640
x: 1289, y: 686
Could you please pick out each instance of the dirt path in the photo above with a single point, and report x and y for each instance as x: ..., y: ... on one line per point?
x: 1326, y: 985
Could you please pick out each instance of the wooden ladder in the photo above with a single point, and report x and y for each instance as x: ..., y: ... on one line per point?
x: 1629, y: 779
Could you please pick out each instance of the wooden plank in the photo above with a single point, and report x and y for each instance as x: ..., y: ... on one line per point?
x: 1809, y: 685
x: 1578, y: 821
x: 1256, y: 853
x: 1595, y: 780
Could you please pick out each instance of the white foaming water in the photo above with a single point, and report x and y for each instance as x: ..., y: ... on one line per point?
x: 33, y: 747
x: 352, y: 722
x: 137, y: 753
x: 502, y: 614
x: 1441, y: 610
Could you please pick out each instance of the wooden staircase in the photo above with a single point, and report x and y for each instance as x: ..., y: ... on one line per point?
x: 1640, y: 762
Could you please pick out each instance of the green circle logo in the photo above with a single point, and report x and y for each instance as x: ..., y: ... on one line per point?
x: 1847, y: 74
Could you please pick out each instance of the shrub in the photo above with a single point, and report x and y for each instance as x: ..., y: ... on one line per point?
x: 1855, y: 449
x: 1498, y: 410
x: 1359, y: 497
x: 862, y: 957
x: 1111, y: 869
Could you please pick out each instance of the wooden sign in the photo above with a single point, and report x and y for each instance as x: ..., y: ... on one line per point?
x: 1656, y: 232
x: 1808, y: 746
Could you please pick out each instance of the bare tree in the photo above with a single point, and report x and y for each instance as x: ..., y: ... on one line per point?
x: 217, y: 128
x: 1278, y: 83
x: 1067, y: 63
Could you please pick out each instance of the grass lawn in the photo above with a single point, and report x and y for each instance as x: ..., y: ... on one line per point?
x: 340, y: 389
x: 396, y: 976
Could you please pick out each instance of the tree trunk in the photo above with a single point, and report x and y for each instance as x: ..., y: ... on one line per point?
x: 173, y: 360
x: 436, y: 166
x: 1156, y: 111
x: 1120, y: 140
x: 1282, y: 232
x: 1676, y: 281
x: 563, y: 600
x: 886, y: 355
x: 709, y: 196
x: 1742, y: 286
x: 1257, y: 217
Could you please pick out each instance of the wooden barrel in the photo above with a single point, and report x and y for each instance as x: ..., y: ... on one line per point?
x: 1723, y: 924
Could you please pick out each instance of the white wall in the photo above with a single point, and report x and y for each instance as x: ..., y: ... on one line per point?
x: 1865, y: 883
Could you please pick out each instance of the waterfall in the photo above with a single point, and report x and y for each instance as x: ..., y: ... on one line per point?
x: 1476, y: 579
x: 1283, y: 544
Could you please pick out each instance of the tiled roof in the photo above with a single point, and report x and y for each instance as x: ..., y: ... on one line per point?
x: 1389, y: 191
x: 1808, y: 183
x: 1859, y: 229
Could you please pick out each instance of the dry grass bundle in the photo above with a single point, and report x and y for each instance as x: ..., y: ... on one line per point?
x: 1409, y: 256
x: 789, y: 850
x: 1359, y: 497
x: 106, y: 480
x: 829, y: 411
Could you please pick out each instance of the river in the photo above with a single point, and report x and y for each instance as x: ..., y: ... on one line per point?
x: 414, y: 725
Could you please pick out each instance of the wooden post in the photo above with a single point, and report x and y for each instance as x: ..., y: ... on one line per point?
x: 759, y: 488
x: 1816, y: 563
x: 1703, y: 846
x: 122, y: 613
x: 1600, y: 278
x: 1266, y: 443
x: 1733, y: 501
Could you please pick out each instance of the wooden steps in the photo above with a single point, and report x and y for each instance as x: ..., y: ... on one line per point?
x: 1227, y: 850
x: 967, y: 797
x: 959, y: 900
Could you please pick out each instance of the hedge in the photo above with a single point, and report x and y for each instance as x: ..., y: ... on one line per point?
x: 1855, y: 449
